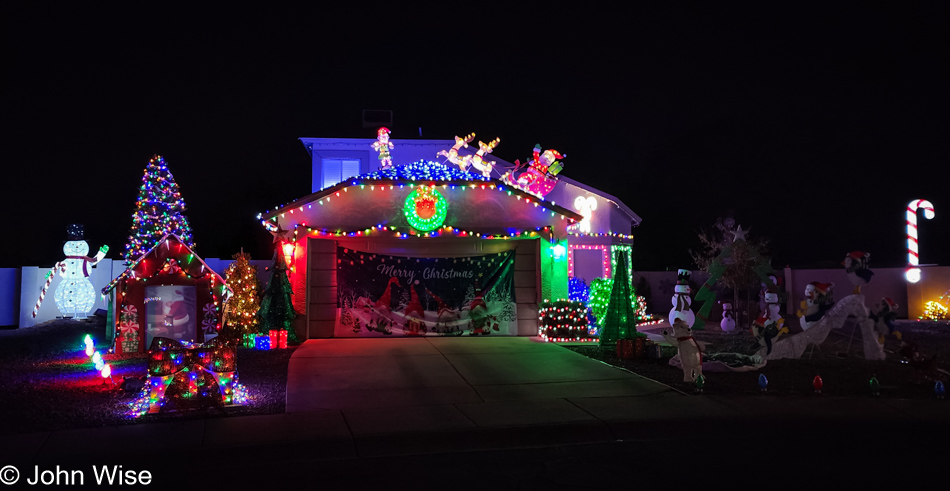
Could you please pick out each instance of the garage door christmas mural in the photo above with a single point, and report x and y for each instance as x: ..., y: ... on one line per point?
x: 386, y: 295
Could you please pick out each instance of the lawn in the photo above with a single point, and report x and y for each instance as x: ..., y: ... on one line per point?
x: 48, y: 383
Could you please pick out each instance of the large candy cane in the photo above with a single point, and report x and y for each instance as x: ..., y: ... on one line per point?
x: 913, y: 272
x: 49, y: 279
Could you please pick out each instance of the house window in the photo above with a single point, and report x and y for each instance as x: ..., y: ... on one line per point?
x: 336, y: 170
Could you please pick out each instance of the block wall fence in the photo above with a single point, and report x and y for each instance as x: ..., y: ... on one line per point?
x: 20, y: 288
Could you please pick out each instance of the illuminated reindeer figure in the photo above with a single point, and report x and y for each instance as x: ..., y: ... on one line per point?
x: 452, y: 154
x: 477, y: 160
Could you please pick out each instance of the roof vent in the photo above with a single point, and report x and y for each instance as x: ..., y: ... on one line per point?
x: 374, y: 118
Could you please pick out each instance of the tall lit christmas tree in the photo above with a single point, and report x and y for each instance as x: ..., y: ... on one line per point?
x: 277, y: 306
x: 243, y: 305
x: 158, y: 211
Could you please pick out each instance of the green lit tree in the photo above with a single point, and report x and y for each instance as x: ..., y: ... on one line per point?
x: 277, y: 307
x: 620, y: 319
x: 158, y: 211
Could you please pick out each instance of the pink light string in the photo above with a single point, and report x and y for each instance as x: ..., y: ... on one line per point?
x: 913, y: 272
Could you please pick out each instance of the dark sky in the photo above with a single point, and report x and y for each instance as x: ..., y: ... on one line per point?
x: 813, y: 125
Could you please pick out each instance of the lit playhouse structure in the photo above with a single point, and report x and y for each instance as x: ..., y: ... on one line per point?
x: 168, y: 292
x: 428, y: 237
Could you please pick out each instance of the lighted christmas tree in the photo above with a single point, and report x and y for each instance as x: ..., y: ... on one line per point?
x: 277, y: 307
x: 158, y: 211
x: 243, y: 305
x: 620, y: 320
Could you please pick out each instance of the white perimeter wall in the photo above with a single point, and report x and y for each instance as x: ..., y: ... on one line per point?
x: 20, y: 289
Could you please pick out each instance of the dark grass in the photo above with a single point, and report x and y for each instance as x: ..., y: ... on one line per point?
x: 48, y: 383
x: 840, y: 363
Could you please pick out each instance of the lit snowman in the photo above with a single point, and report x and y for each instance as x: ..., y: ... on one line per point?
x: 75, y: 294
x: 728, y: 322
x: 681, y: 300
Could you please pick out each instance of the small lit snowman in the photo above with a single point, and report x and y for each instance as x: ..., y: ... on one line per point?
x: 728, y: 322
x: 75, y: 294
x: 681, y: 300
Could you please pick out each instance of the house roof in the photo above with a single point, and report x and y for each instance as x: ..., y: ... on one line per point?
x: 620, y: 204
x: 419, y: 173
x: 170, y: 247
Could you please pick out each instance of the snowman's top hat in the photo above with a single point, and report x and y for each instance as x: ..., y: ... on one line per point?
x: 682, y: 281
x: 74, y: 231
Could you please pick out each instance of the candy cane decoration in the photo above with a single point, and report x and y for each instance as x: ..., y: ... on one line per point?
x: 49, y: 280
x: 913, y: 272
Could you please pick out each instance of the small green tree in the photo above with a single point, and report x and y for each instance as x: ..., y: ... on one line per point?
x: 620, y: 320
x: 277, y: 307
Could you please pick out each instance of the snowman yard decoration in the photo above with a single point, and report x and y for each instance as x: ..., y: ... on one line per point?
x: 681, y: 300
x: 728, y: 322
x: 75, y: 294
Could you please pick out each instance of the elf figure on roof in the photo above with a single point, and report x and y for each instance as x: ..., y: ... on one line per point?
x: 383, y: 146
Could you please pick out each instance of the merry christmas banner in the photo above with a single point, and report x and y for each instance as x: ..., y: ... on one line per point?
x: 384, y: 295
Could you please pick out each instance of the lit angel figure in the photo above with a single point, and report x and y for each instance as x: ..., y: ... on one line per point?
x: 452, y: 154
x: 383, y: 146
x: 75, y: 294
x: 478, y: 160
x: 585, y: 207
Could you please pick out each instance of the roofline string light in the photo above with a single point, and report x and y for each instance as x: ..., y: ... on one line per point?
x: 426, y: 173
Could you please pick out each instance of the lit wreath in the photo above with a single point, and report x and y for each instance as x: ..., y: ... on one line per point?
x: 425, y: 209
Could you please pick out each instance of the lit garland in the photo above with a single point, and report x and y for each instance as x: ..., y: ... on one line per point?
x: 158, y: 211
x: 604, y: 261
x: 405, y: 233
x: 563, y: 320
x: 602, y: 234
x: 425, y: 209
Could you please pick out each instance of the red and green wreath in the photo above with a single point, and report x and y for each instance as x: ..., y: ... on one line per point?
x: 425, y: 209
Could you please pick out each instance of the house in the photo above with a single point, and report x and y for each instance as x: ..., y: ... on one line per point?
x: 447, y: 240
x: 167, y: 292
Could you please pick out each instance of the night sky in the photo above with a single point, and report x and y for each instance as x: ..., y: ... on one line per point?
x: 813, y: 126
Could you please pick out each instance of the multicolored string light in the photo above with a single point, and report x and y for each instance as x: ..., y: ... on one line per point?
x: 158, y: 211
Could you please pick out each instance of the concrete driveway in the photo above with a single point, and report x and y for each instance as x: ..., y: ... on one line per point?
x: 447, y: 383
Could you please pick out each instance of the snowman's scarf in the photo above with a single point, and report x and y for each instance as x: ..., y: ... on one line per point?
x: 681, y: 305
x: 86, y: 260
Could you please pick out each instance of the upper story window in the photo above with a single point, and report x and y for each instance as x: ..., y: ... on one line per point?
x: 336, y: 170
